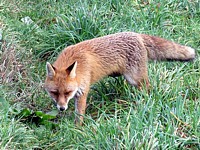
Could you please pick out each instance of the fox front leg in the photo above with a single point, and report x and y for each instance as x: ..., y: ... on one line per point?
x: 80, y: 107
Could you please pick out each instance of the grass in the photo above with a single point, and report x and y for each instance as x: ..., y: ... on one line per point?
x: 118, y: 116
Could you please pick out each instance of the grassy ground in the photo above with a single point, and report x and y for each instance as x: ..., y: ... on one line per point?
x: 118, y: 115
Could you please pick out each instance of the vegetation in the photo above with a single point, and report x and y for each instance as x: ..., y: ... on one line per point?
x: 118, y: 115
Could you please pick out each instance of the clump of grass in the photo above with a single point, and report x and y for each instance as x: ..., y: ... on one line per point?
x: 13, y: 134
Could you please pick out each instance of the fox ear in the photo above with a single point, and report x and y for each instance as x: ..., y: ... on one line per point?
x: 72, y: 70
x: 50, y: 70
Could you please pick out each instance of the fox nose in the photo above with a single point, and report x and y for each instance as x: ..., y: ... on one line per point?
x: 62, y: 108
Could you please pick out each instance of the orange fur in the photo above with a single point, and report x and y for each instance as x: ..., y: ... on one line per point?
x: 125, y: 53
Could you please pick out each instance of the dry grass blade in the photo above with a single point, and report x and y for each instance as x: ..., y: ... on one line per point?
x: 9, y: 63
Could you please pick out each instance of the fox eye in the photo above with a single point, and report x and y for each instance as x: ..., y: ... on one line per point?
x: 54, y: 93
x: 67, y: 93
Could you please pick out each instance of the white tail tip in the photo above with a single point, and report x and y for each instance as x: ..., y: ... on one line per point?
x: 191, y: 53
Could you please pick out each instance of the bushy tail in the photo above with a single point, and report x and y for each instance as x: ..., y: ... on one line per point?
x: 161, y: 49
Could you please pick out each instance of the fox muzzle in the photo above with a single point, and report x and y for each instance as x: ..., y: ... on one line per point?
x: 62, y: 108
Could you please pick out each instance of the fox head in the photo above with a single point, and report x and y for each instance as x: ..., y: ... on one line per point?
x: 61, y: 84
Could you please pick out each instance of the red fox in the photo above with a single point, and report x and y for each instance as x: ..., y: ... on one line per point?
x: 127, y: 53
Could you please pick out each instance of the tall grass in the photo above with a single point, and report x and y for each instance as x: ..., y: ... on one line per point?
x: 118, y: 116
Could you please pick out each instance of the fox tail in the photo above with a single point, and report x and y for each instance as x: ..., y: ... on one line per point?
x: 161, y: 49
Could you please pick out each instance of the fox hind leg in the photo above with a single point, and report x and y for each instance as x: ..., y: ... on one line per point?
x: 137, y: 78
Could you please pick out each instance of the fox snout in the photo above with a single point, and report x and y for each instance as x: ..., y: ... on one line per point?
x: 62, y: 107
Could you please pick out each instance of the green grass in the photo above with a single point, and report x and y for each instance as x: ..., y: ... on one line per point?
x: 118, y: 115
